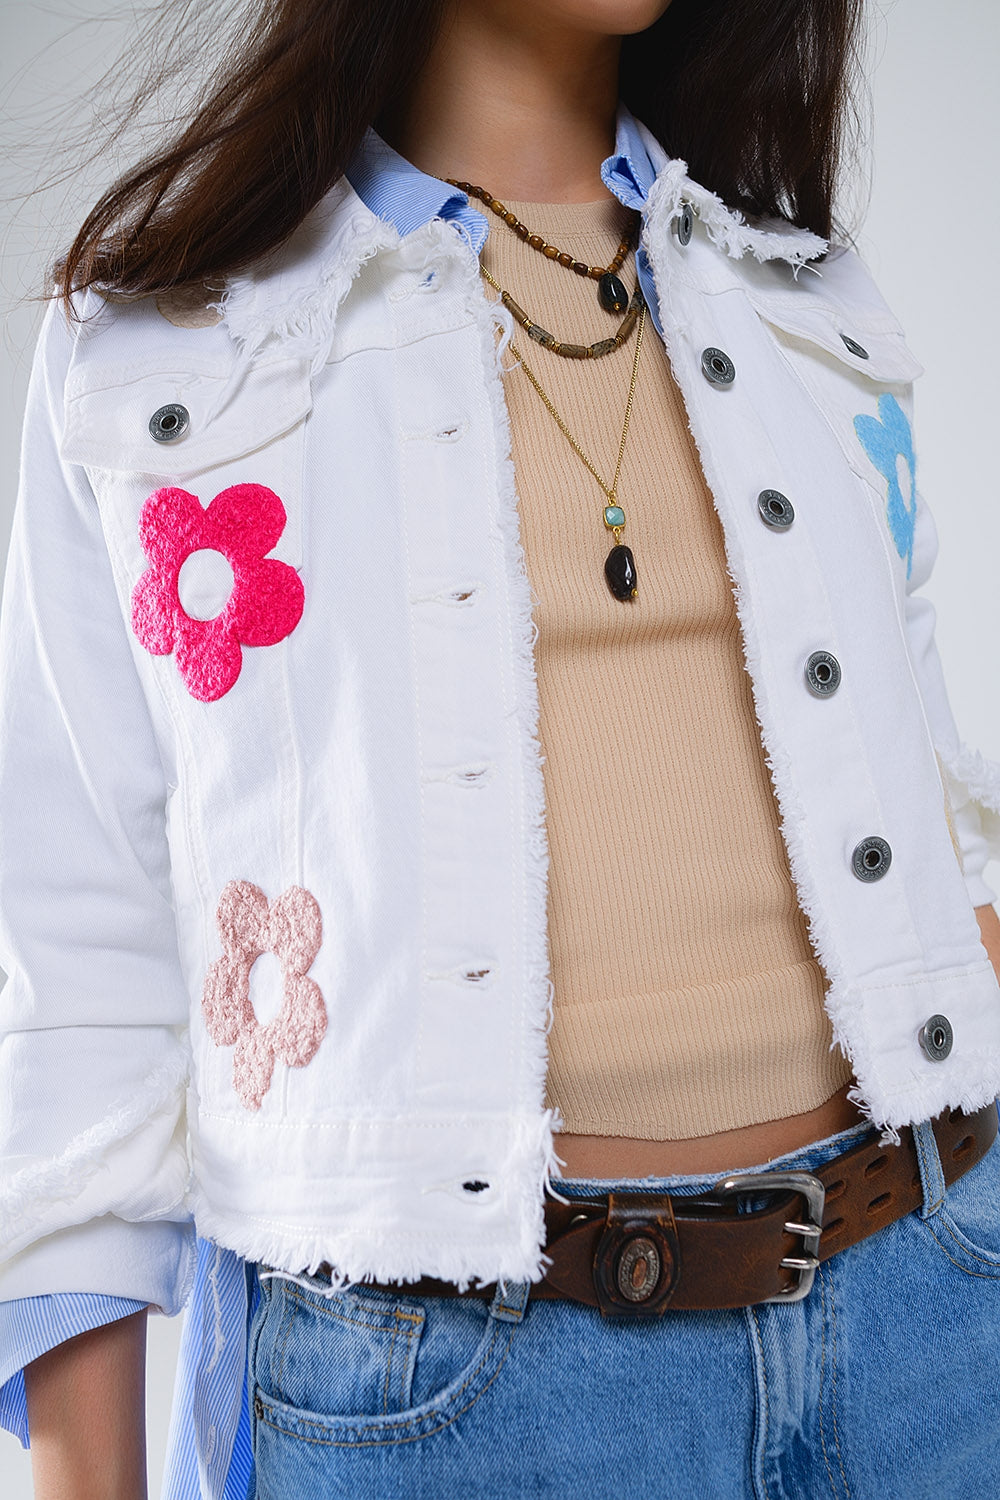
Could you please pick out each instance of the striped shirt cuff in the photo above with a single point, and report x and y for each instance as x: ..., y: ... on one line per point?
x: 30, y: 1326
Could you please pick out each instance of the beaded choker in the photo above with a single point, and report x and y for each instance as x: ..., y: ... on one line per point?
x: 611, y: 291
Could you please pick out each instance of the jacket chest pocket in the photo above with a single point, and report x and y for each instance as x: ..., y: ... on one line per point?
x: 198, y: 475
x: 860, y: 380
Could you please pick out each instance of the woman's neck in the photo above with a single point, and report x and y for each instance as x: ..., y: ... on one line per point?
x: 526, y: 111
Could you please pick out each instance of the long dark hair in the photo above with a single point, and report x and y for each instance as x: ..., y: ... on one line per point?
x: 753, y: 94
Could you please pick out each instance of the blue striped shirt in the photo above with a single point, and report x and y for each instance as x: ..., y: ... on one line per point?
x: 396, y: 190
x: 209, y: 1454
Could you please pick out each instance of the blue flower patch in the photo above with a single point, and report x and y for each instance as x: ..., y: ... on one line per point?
x: 887, y: 441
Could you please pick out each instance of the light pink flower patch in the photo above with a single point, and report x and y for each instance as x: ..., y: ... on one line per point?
x: 243, y: 523
x: 292, y: 929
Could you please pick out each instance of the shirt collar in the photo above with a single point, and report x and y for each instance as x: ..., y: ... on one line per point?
x: 292, y: 301
x: 628, y: 171
x: 396, y: 190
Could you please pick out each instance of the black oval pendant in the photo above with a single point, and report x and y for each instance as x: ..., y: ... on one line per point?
x: 612, y: 293
x: 619, y: 570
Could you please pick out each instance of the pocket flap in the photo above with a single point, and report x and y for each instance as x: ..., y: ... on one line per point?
x: 226, y: 412
x: 881, y: 353
x: 837, y: 308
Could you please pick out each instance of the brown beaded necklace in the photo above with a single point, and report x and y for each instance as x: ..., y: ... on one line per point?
x: 611, y: 291
x: 571, y: 351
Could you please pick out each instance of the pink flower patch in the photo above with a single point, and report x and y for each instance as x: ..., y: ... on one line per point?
x: 292, y: 929
x: 244, y: 523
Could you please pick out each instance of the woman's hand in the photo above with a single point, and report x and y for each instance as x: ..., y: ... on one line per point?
x: 989, y: 928
x: 87, y: 1414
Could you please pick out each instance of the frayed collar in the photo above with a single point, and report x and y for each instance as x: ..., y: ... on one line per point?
x: 768, y: 239
x: 290, y: 299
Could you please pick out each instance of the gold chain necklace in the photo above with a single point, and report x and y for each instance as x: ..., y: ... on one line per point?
x: 619, y: 566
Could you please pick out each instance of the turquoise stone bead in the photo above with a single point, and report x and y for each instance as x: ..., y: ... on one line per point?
x: 614, y: 515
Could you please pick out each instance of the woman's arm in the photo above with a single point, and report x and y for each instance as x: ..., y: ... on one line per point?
x: 86, y: 1413
x: 93, y: 1057
x: 31, y: 1326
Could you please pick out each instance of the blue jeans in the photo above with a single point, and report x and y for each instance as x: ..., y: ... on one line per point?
x: 882, y: 1384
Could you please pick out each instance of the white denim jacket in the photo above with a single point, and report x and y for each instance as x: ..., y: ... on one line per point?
x: 273, y: 880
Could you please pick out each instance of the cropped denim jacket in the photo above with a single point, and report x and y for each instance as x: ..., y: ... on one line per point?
x: 273, y: 864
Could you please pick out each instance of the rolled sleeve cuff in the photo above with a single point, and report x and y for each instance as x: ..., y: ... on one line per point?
x: 151, y: 1262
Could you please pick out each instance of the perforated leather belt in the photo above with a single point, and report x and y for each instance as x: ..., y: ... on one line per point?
x: 755, y: 1238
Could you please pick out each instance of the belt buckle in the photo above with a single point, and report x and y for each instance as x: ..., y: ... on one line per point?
x: 812, y: 1190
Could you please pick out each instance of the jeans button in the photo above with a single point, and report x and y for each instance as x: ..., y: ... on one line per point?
x: 685, y: 224
x: 775, y: 509
x: 822, y: 674
x: 936, y: 1038
x: 871, y: 858
x: 169, y: 423
x: 717, y: 367
x: 854, y: 347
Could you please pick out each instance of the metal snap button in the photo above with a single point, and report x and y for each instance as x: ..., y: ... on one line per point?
x: 822, y: 674
x: 684, y: 224
x: 169, y: 423
x: 854, y: 347
x: 871, y: 858
x: 638, y: 1269
x: 776, y: 510
x: 717, y: 367
x: 936, y: 1038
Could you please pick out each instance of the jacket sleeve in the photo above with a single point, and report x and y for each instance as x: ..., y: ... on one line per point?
x: 93, y: 1047
x: 972, y: 783
x: 30, y: 1327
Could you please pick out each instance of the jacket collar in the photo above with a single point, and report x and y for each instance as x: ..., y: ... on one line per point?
x: 291, y: 297
x: 767, y: 239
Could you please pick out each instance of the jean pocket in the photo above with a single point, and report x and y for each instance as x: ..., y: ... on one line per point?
x: 967, y: 1225
x: 370, y: 1366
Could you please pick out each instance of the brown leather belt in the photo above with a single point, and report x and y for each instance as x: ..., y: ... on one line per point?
x: 758, y: 1237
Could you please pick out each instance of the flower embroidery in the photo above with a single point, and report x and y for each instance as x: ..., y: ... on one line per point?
x: 886, y: 441
x: 292, y: 929
x: 243, y: 523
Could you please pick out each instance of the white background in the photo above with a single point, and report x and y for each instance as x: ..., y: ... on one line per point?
x: 931, y: 237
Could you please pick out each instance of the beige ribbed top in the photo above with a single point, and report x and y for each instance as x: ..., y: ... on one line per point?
x: 687, y: 996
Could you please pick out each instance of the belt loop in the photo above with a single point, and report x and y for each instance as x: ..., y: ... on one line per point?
x: 509, y: 1301
x: 931, y: 1174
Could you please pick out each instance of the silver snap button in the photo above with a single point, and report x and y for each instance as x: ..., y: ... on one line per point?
x: 822, y: 674
x: 871, y: 858
x: 169, y: 423
x: 936, y: 1038
x: 853, y: 347
x: 638, y: 1269
x: 717, y: 367
x: 776, y: 510
x: 684, y: 224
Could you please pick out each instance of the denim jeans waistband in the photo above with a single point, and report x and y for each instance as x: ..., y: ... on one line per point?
x: 804, y: 1159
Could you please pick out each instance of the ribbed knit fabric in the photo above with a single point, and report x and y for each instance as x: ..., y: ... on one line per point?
x: 687, y: 996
